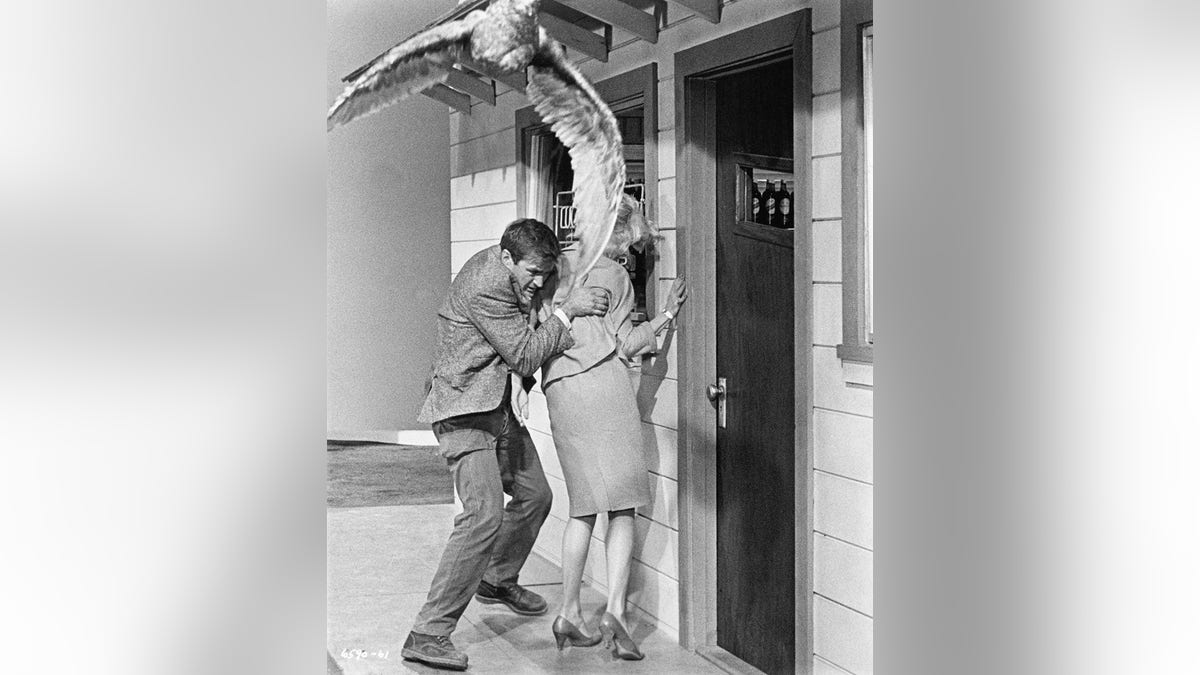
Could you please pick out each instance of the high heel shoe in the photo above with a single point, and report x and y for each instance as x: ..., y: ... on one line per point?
x: 617, y: 639
x: 565, y: 630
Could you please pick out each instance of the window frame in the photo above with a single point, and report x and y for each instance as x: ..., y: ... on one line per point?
x: 856, y: 345
x: 631, y: 88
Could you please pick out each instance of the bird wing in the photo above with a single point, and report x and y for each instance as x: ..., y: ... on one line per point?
x: 411, y: 66
x: 585, y: 125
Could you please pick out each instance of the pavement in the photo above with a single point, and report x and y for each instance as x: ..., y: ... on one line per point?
x: 381, y: 560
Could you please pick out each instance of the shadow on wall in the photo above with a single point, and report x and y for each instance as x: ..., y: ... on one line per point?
x: 652, y: 377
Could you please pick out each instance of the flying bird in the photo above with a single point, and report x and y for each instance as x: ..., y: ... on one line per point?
x: 506, y: 39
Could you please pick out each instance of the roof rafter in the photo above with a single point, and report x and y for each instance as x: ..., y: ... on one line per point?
x: 709, y: 9
x: 455, y: 99
x: 583, y: 41
x: 484, y: 90
x: 619, y: 15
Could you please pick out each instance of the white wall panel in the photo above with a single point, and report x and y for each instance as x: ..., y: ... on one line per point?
x: 655, y: 593
x: 486, y: 187
x: 827, y: 187
x: 823, y: 667
x: 547, y: 453
x: 843, y: 508
x: 842, y: 636
x: 830, y: 388
x: 827, y: 314
x: 827, y: 250
x: 827, y: 62
x: 665, y: 255
x: 666, y: 204
x: 666, y: 153
x: 461, y: 252
x: 482, y: 222
x: 485, y: 119
x: 664, y: 504
x: 662, y: 450
x: 483, y: 153
x: 827, y: 124
x: 539, y: 412
x: 560, y: 507
x: 843, y: 444
x: 656, y: 546
x: 666, y: 103
x: 658, y: 401
x: 826, y: 14
x: 843, y: 573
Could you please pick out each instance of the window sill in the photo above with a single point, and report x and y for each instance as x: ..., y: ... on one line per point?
x: 857, y: 353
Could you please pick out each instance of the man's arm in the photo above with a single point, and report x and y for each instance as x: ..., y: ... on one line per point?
x: 523, y: 348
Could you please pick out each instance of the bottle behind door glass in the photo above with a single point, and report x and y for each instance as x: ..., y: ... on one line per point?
x: 789, y: 206
x: 767, y: 208
x: 755, y: 202
x: 781, y: 197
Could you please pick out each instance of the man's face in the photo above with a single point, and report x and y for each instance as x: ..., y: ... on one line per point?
x: 530, y: 275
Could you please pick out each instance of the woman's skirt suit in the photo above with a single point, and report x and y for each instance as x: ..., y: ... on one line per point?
x: 593, y: 405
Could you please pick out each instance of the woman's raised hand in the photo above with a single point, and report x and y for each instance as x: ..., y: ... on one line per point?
x: 677, y: 296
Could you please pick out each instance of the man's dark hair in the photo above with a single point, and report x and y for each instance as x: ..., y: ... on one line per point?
x: 530, y: 239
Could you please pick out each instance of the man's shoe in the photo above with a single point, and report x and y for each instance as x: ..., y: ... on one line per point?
x: 434, y: 650
x: 517, y: 598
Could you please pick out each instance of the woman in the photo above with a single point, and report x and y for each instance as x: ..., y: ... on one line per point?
x: 598, y: 432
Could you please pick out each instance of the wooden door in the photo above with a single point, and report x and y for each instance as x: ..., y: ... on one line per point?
x: 755, y: 353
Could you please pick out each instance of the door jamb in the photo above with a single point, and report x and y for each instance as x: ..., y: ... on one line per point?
x: 696, y: 215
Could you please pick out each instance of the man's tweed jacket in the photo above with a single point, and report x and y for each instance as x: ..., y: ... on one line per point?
x: 482, y: 336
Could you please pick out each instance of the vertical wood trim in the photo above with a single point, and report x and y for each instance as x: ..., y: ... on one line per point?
x: 649, y: 83
x: 524, y: 121
x: 854, y: 14
x: 695, y: 189
x: 802, y: 106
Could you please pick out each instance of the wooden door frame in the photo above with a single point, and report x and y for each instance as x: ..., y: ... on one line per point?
x: 695, y: 199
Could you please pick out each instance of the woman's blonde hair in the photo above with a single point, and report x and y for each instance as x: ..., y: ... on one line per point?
x: 632, y: 229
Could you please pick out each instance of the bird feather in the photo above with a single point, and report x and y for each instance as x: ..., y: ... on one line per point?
x: 410, y: 67
x: 587, y: 127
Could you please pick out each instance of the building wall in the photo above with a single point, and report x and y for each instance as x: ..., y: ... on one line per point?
x: 386, y: 270
x: 842, y: 433
x: 483, y: 199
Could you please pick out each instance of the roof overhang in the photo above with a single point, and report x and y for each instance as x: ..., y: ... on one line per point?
x: 585, y: 27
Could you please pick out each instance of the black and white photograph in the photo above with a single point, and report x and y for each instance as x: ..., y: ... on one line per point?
x: 616, y: 414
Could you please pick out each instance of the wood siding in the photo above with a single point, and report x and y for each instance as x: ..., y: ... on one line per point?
x: 842, y: 438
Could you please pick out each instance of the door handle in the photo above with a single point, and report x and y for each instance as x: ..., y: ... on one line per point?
x: 717, y: 392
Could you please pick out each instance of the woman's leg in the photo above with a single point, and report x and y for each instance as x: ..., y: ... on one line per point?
x: 576, y: 538
x: 618, y: 550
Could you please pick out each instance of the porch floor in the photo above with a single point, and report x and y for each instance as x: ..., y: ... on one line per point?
x: 381, y: 560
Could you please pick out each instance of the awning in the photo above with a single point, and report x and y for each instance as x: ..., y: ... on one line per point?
x: 589, y: 28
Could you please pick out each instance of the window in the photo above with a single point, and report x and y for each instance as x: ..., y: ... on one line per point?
x: 858, y: 221
x: 545, y: 178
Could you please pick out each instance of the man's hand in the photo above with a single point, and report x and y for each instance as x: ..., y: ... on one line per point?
x: 519, y: 400
x: 586, y: 302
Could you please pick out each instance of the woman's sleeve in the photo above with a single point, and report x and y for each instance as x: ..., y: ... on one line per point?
x: 632, y: 341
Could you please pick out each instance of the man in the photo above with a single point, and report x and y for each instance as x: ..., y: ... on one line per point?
x: 484, y: 337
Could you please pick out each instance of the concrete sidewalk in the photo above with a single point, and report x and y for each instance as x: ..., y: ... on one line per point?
x: 381, y: 560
